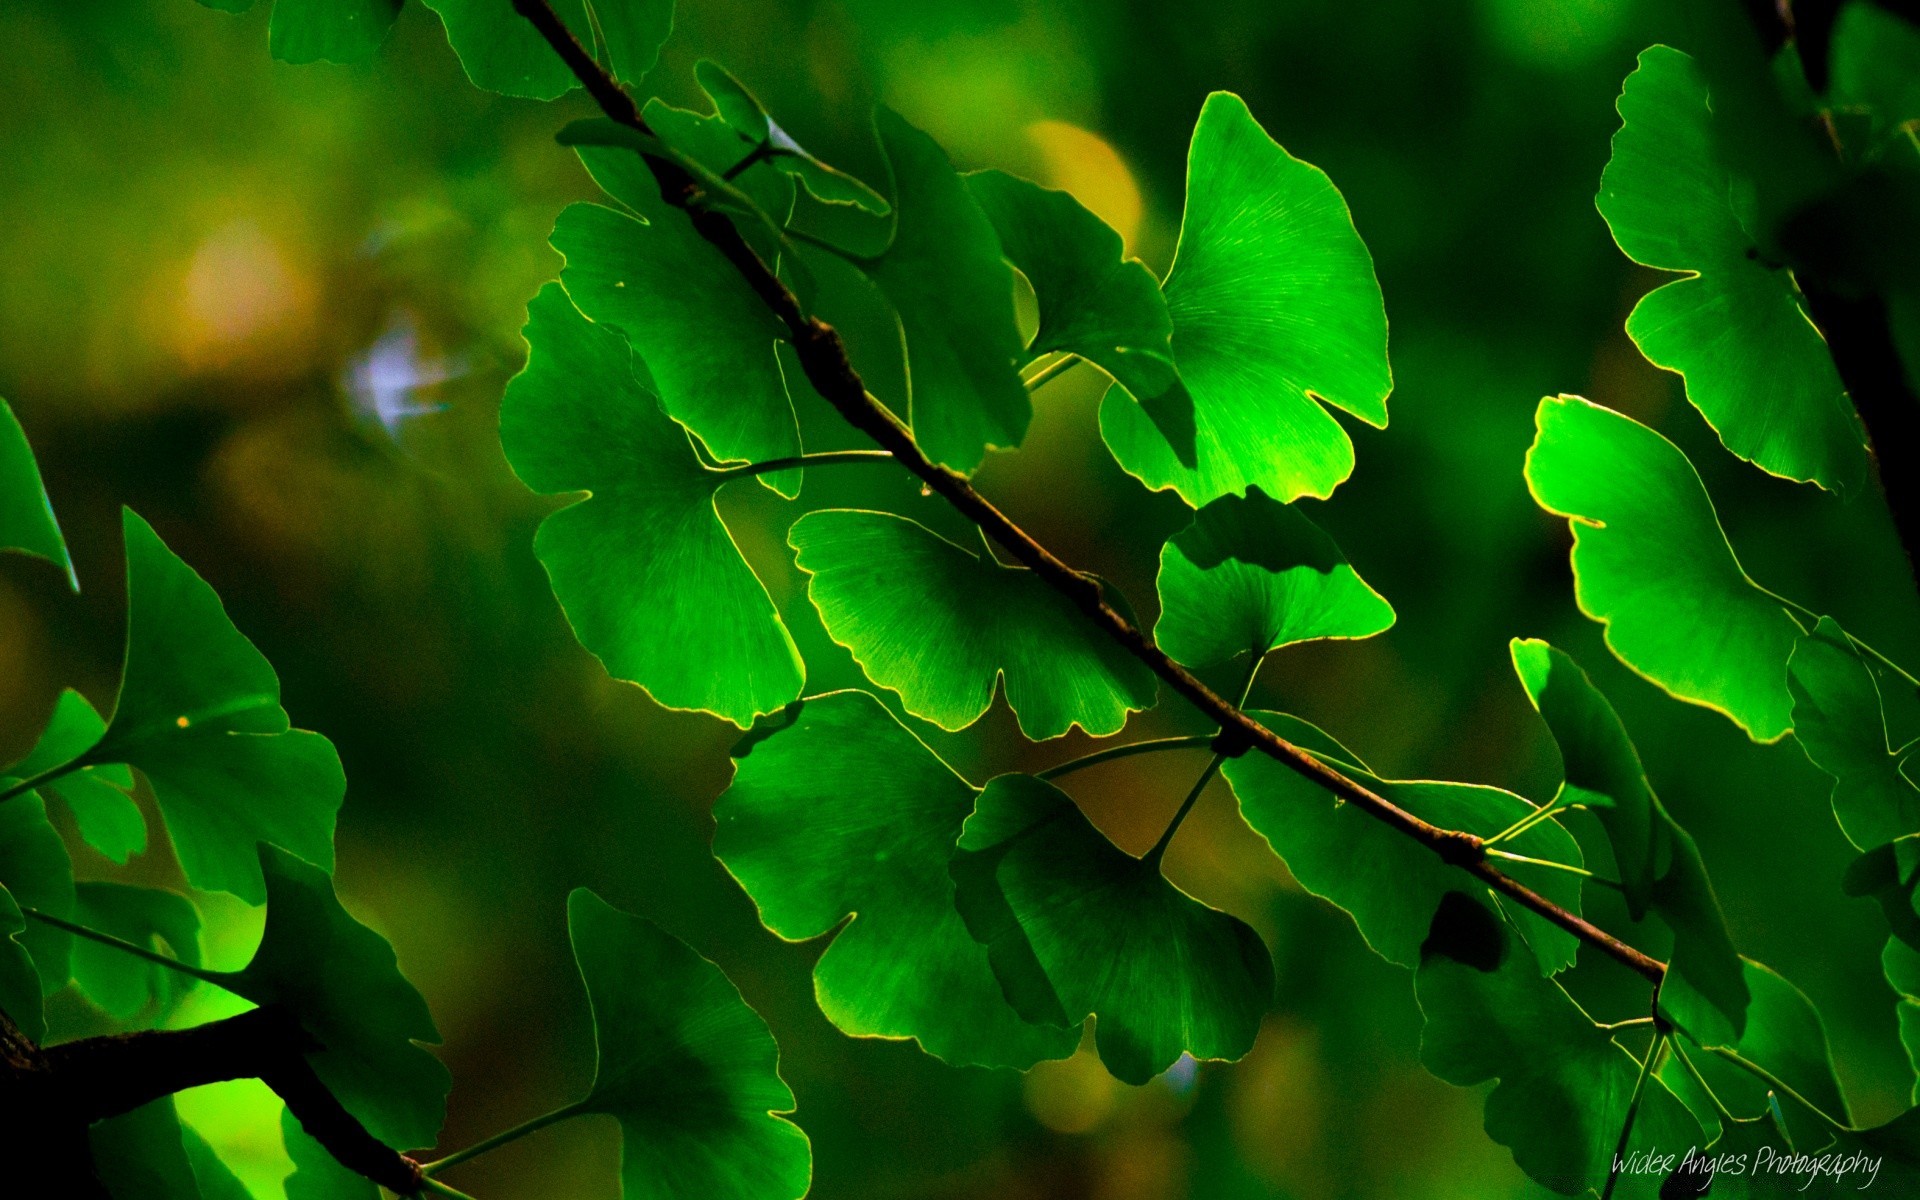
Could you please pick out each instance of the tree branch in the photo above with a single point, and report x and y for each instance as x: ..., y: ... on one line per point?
x: 824, y: 357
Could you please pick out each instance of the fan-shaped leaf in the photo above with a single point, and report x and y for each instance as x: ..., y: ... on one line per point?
x: 199, y: 715
x: 1564, y: 1085
x: 1077, y: 927
x: 707, y: 342
x: 150, y: 1154
x: 341, y: 981
x: 690, y: 1072
x: 1651, y: 562
x: 502, y: 53
x: 26, y: 516
x: 1275, y: 309
x: 1390, y: 885
x: 1839, y: 721
x: 940, y: 626
x: 151, y: 918
x: 647, y: 573
x: 1251, y: 575
x: 844, y: 812
x: 945, y: 277
x: 107, y: 817
x: 1660, y: 867
x: 1754, y: 365
x: 1094, y: 301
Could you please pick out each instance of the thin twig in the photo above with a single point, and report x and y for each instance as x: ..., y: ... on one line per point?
x: 824, y: 357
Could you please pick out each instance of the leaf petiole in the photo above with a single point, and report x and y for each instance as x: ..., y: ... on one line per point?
x: 1195, y: 741
x: 1045, y: 374
x: 125, y: 947
x: 1773, y: 1081
x: 1633, y: 1110
x: 1523, y: 824
x: 43, y: 778
x: 1558, y: 866
x: 1680, y: 1052
x: 822, y: 459
x: 504, y: 1136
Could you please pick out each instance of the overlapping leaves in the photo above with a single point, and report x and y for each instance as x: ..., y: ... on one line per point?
x: 1754, y: 364
x: 1840, y: 721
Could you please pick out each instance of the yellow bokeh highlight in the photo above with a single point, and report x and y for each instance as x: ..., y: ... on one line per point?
x: 1082, y: 162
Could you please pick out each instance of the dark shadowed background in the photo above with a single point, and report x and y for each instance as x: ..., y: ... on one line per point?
x: 273, y: 309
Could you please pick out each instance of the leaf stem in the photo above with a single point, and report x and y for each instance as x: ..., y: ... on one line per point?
x: 1569, y: 868
x: 1195, y: 741
x: 1633, y: 1110
x: 822, y: 459
x: 504, y: 1136
x: 1159, y: 851
x: 1773, y: 1081
x: 1523, y: 824
x: 43, y: 778
x: 125, y: 947
x: 1045, y: 375
x: 440, y: 1189
x: 1680, y: 1052
x: 1813, y: 616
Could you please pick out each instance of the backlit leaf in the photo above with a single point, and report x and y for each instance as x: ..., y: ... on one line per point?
x: 107, y: 817
x: 648, y: 575
x: 1275, y: 311
x: 20, y: 991
x: 149, y: 1154
x: 1077, y: 927
x: 940, y: 626
x: 1839, y: 721
x: 1754, y: 365
x: 844, y: 812
x: 151, y: 918
x: 35, y: 870
x: 749, y: 121
x: 690, y: 1072
x: 317, y: 1175
x: 26, y: 517
x: 1651, y: 562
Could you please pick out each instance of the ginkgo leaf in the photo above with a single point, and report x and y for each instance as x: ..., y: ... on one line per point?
x: 35, y: 870
x: 748, y: 120
x: 20, y: 990
x: 503, y: 53
x: 843, y: 811
x: 1734, y: 329
x: 1389, y: 884
x: 150, y: 918
x: 1660, y: 867
x: 650, y: 579
x: 340, y: 980
x: 1251, y: 575
x: 150, y: 1154
x: 688, y: 1069
x: 317, y: 1175
x: 940, y: 626
x: 706, y: 340
x: 199, y: 716
x: 945, y: 277
x: 1094, y: 301
x: 1076, y: 928
x: 1651, y: 562
x: 1876, y: 67
x: 1565, y: 1086
x: 1275, y: 311
x: 1901, y: 965
x: 107, y: 817
x: 340, y: 31
x: 1784, y: 1035
x: 1839, y: 720
x: 1889, y: 874
x: 26, y: 516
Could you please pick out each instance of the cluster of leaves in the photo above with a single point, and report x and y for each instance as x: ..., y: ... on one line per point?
x: 991, y: 922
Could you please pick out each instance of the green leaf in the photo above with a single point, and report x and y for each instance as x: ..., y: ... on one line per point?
x: 940, y: 626
x: 150, y: 1154
x: 1564, y: 1084
x: 317, y: 1175
x: 1890, y: 875
x: 199, y: 715
x: 1651, y: 562
x: 1660, y: 867
x: 1389, y: 884
x: 945, y: 277
x: 340, y: 31
x: 706, y: 340
x: 1251, y: 575
x: 1839, y: 720
x: 26, y: 516
x: 1094, y: 301
x: 107, y: 817
x: 687, y: 1068
x: 1754, y: 365
x: 844, y: 812
x: 1275, y: 311
x: 1901, y: 964
x: 1876, y: 66
x: 648, y: 575
x: 35, y: 869
x: 341, y: 981
x: 1785, y: 1035
x: 502, y: 53
x: 20, y: 989
x: 743, y: 114
x: 151, y: 918
x: 1076, y: 928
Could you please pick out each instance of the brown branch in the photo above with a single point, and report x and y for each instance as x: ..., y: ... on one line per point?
x: 824, y: 357
x: 70, y: 1086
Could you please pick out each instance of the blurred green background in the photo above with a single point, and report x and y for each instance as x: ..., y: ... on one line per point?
x: 221, y: 278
